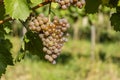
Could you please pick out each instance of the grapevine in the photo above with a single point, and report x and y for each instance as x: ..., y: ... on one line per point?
x: 52, y: 31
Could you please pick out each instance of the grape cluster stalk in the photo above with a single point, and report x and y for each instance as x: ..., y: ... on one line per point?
x: 52, y: 33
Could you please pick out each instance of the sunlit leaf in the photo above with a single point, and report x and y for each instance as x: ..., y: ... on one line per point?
x: 17, y: 9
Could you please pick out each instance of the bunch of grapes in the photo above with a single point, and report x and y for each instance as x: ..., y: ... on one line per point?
x: 52, y: 33
x: 64, y: 4
x: 78, y: 3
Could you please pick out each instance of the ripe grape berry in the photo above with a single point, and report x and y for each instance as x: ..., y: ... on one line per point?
x: 52, y: 33
x: 64, y: 4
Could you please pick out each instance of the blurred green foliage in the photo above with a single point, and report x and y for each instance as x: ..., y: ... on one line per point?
x: 73, y: 64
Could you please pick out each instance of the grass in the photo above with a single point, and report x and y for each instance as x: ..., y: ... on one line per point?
x: 77, y: 64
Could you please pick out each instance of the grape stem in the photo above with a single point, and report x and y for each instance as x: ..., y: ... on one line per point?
x: 35, y: 7
x: 41, y: 4
x: 49, y: 11
x: 23, y: 23
x: 1, y: 1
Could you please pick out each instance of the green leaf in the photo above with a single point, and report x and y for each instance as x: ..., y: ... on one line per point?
x: 17, y: 9
x: 6, y: 43
x: 2, y: 33
x: 5, y: 46
x: 118, y: 9
x: 105, y: 2
x: 92, y: 6
x: 93, y: 18
x: 34, y: 46
x: 2, y: 11
x: 20, y: 56
x: 118, y: 3
x: 26, y: 39
x: 113, y: 3
x: 7, y: 30
x: 36, y: 1
x: 115, y: 21
x: 5, y: 55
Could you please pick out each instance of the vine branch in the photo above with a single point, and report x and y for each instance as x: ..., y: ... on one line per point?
x: 5, y: 20
x: 40, y: 5
x: 1, y: 1
x: 37, y: 6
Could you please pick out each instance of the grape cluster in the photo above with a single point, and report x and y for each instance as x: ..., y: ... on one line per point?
x: 52, y: 33
x: 64, y: 4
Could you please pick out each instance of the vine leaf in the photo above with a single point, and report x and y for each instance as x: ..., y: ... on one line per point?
x: 5, y: 55
x: 2, y: 11
x: 36, y: 1
x: 92, y: 6
x: 113, y: 3
x: 5, y: 46
x: 34, y: 45
x: 20, y: 56
x: 115, y: 21
x: 105, y: 2
x: 17, y: 9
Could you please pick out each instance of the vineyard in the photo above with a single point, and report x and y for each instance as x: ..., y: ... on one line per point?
x: 72, y: 39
